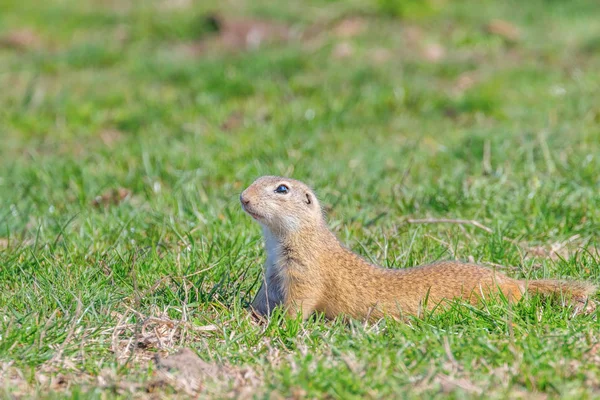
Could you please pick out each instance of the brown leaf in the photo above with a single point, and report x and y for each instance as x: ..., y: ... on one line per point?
x: 111, y: 197
x: 504, y: 29
x: 23, y: 39
x: 349, y: 27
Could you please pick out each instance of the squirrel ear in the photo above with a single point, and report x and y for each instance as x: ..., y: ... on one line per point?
x: 308, y: 199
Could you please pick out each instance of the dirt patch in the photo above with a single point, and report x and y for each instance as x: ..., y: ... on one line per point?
x: 233, y: 122
x: 380, y: 55
x: 110, y: 137
x: 504, y: 29
x: 187, y: 373
x: 342, y: 50
x: 349, y: 27
x: 136, y: 347
x: 464, y: 82
x: 239, y: 34
x: 22, y: 39
x: 449, y: 384
x: 433, y: 52
x: 184, y: 371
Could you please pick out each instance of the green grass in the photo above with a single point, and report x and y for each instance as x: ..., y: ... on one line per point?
x: 109, y: 98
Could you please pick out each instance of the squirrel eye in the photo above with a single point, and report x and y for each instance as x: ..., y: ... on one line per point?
x: 282, y: 189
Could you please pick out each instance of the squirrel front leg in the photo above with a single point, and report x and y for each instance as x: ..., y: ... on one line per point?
x: 301, y: 298
x: 305, y: 307
x: 291, y: 289
x: 269, y: 296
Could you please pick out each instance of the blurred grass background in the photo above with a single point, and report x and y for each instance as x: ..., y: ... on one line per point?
x: 129, y: 128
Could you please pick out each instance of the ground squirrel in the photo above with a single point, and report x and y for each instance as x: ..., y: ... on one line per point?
x: 308, y: 270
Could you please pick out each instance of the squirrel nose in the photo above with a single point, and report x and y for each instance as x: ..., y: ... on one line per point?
x: 244, y: 200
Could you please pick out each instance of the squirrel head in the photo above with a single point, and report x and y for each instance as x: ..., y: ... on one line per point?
x: 282, y: 205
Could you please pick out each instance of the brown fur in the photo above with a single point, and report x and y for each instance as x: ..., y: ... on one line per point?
x: 308, y: 270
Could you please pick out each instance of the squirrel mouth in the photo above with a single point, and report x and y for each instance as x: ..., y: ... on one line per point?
x: 252, y: 213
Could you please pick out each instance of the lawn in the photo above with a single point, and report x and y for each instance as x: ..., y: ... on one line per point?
x: 129, y: 128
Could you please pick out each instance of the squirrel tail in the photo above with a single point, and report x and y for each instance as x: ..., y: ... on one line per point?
x: 579, y: 291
